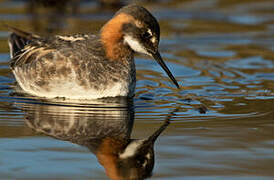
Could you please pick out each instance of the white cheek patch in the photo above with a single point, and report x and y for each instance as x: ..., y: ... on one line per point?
x: 131, y: 149
x: 135, y: 45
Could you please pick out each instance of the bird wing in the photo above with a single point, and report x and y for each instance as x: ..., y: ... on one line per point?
x: 18, y: 39
x: 27, y: 47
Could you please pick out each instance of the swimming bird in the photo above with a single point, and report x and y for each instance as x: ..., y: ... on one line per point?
x: 87, y: 66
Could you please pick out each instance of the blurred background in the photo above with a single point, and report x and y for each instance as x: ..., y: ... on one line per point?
x: 220, y: 51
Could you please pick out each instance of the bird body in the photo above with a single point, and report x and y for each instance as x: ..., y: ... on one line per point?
x: 86, y: 66
x: 68, y: 66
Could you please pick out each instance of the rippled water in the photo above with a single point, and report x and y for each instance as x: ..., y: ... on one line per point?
x: 221, y: 122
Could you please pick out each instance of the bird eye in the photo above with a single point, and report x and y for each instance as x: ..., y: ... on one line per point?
x: 142, y: 162
x: 146, y: 35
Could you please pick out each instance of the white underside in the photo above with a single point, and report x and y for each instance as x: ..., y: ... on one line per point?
x: 71, y: 90
x: 77, y: 92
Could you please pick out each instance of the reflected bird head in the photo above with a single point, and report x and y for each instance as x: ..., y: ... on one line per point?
x: 137, y: 159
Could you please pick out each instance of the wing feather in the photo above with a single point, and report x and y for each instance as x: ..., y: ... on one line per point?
x: 26, y: 47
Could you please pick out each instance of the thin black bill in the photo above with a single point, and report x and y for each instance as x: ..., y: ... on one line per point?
x: 159, y: 59
x: 157, y: 133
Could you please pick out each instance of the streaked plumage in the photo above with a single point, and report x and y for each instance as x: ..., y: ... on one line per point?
x: 86, y: 66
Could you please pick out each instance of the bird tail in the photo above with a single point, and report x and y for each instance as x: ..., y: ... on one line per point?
x: 18, y: 39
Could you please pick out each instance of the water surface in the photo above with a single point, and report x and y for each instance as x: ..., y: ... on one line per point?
x: 221, y: 121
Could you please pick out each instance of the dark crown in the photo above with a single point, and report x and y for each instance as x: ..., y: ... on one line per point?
x: 143, y: 15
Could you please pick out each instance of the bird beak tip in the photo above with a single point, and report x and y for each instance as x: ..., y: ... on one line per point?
x: 160, y: 61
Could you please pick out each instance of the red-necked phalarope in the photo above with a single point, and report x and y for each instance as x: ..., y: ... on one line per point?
x: 87, y: 66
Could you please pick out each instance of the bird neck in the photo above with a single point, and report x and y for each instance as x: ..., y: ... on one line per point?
x: 112, y: 38
x: 107, y: 155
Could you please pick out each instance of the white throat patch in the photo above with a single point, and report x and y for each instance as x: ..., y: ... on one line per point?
x: 131, y: 149
x: 135, y: 45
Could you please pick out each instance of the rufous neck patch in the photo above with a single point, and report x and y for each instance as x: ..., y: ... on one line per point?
x: 111, y: 35
x: 107, y: 155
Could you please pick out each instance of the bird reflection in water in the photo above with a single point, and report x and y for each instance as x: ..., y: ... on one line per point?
x: 104, y: 128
